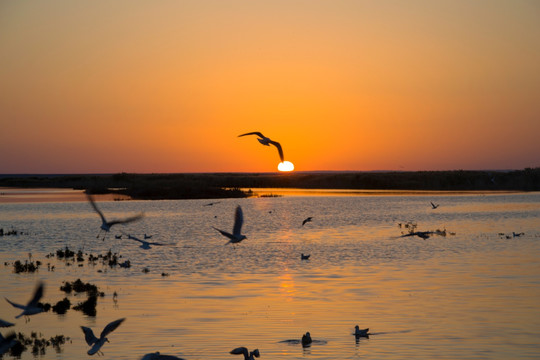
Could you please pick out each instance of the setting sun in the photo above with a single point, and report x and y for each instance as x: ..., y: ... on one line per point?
x: 285, y: 166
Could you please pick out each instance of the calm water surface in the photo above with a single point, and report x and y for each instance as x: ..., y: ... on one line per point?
x: 472, y: 295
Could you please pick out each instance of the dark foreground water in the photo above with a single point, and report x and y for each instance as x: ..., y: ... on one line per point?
x: 472, y: 294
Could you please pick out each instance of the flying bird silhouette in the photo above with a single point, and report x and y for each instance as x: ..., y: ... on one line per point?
x: 32, y: 307
x: 96, y: 343
x: 307, y: 220
x: 267, y: 141
x: 144, y: 244
x: 434, y: 206
x: 106, y: 225
x: 236, y: 235
x: 244, y: 351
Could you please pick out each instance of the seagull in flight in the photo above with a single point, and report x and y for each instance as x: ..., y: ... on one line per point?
x: 434, y: 206
x: 91, y: 339
x: 144, y: 244
x: 307, y: 220
x: 236, y: 236
x: 244, y: 351
x: 106, y: 225
x: 267, y: 141
x: 32, y: 307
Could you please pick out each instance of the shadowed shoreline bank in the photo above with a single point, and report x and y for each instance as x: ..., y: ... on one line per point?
x: 229, y: 185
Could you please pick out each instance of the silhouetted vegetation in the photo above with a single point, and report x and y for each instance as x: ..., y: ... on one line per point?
x: 227, y: 185
x: 36, y: 344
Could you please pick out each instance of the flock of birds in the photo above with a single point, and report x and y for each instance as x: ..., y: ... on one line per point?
x: 33, y: 308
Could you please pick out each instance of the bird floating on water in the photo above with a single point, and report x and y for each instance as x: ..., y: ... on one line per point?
x: 106, y: 225
x: 96, y: 343
x: 158, y: 356
x: 236, y: 235
x: 306, y: 339
x: 267, y: 141
x: 32, y: 307
x: 360, y: 332
x: 244, y: 351
x: 307, y: 220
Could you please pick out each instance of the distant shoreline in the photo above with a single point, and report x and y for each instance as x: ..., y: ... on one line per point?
x: 233, y: 185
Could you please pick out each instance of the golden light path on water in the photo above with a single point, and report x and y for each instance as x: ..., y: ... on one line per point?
x: 455, y: 296
x: 285, y: 166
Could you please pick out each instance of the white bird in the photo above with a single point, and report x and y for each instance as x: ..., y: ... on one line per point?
x: 4, y: 323
x: 236, y: 235
x: 32, y: 307
x: 96, y: 343
x: 7, y: 342
x: 244, y: 351
x: 158, y: 356
x: 144, y: 244
x: 106, y: 225
x: 267, y: 141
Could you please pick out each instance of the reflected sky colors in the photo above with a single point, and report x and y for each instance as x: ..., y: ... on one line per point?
x: 99, y: 87
x: 445, y: 297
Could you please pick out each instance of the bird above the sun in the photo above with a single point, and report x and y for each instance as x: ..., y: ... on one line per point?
x: 283, y: 165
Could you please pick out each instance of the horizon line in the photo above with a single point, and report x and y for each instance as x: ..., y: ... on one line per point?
x: 256, y: 172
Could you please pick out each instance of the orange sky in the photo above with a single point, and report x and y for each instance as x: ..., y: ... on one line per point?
x: 144, y: 86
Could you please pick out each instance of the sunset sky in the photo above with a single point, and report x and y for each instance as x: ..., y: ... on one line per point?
x: 167, y: 86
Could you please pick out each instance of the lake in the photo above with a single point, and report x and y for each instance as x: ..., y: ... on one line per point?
x: 471, y: 294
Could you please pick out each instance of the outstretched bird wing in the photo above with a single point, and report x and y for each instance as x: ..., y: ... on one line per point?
x: 238, y: 221
x: 280, y: 150
x: 23, y: 307
x: 253, y: 133
x: 111, y: 327
x: 38, y: 293
x: 4, y: 323
x: 224, y: 233
x: 89, y: 335
x: 93, y: 203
